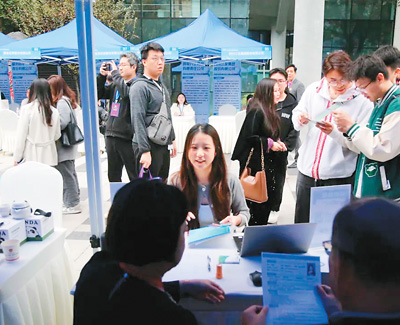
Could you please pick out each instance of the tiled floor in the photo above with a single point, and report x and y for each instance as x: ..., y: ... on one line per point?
x: 78, y: 225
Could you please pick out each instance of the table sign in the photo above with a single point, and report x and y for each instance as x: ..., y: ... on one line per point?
x: 325, y: 202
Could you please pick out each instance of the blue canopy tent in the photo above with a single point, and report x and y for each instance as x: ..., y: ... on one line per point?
x: 4, y: 39
x: 208, y: 38
x: 60, y: 46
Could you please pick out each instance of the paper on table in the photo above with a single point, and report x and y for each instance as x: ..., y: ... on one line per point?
x: 289, y: 282
x: 325, y: 202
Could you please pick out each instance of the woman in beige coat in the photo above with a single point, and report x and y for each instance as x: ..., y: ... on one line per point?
x: 38, y: 127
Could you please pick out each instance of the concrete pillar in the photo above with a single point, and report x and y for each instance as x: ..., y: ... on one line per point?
x: 396, y: 37
x: 278, y: 43
x: 308, y: 38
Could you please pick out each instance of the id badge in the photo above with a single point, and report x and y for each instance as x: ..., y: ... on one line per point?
x: 115, y: 109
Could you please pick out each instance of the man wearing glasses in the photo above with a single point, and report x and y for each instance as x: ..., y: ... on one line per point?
x: 147, y: 95
x: 118, y: 127
x: 378, y: 142
x: 322, y: 160
x: 364, y: 265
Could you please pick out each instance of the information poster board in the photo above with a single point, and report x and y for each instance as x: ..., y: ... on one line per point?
x: 23, y: 75
x: 4, y: 81
x: 227, y: 85
x: 196, y: 87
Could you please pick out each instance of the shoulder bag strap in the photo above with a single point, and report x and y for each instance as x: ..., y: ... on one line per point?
x: 262, y: 156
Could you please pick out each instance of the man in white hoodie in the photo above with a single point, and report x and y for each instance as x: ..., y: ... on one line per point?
x: 322, y: 161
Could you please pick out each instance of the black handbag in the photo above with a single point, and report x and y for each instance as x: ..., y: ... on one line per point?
x: 72, y: 134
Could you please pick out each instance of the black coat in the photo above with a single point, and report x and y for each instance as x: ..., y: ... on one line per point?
x: 288, y: 134
x: 254, y: 130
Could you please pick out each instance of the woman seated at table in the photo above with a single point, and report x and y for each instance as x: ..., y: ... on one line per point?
x: 181, y: 107
x: 214, y: 195
x: 38, y: 127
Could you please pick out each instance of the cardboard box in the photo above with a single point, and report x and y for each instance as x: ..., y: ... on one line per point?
x: 12, y: 229
x: 39, y: 227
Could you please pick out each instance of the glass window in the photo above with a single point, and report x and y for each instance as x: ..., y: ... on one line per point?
x: 240, y: 8
x: 221, y: 8
x: 185, y: 8
x: 249, y: 77
x: 337, y: 9
x: 152, y: 28
x: 388, y: 9
x: 156, y: 8
x: 240, y: 25
x: 180, y: 23
x: 366, y: 9
x: 365, y: 37
x: 335, y: 33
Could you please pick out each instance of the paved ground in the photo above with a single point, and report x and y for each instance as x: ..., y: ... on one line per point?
x: 78, y: 225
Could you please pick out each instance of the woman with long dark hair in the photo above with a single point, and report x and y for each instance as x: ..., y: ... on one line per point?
x: 214, y: 195
x: 181, y: 107
x: 65, y: 100
x: 263, y: 125
x: 38, y: 127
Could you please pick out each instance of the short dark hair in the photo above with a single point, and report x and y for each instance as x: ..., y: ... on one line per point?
x: 144, y: 222
x: 390, y: 56
x: 278, y: 70
x: 292, y: 66
x: 365, y: 233
x: 338, y: 60
x: 144, y: 51
x: 132, y: 58
x: 367, y: 66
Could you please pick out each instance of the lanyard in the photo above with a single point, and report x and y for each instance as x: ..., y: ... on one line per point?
x: 116, y: 98
x: 161, y: 88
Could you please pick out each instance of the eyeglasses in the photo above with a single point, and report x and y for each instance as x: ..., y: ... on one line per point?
x: 124, y: 65
x: 364, y: 89
x: 335, y: 83
x: 156, y: 59
x: 328, y: 246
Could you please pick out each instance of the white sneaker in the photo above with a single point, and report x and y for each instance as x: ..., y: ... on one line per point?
x: 72, y: 210
x: 273, y: 217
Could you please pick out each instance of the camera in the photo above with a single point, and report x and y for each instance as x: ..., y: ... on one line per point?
x: 107, y: 66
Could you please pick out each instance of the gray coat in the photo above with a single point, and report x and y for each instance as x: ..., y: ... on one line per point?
x: 65, y: 111
x: 297, y: 89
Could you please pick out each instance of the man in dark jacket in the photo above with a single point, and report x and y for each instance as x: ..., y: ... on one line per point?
x: 364, y: 265
x: 119, y: 131
x: 146, y: 95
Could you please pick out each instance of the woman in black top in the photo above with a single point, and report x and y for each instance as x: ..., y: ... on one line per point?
x: 263, y: 124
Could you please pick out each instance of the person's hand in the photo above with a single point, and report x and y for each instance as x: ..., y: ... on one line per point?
x: 145, y: 159
x: 103, y: 70
x: 190, y: 216
x: 113, y: 65
x: 343, y: 120
x: 325, y: 127
x: 15, y: 163
x: 202, y: 290
x: 255, y: 315
x: 303, y: 118
x: 173, y: 151
x: 233, y: 220
x: 329, y: 301
x: 278, y: 146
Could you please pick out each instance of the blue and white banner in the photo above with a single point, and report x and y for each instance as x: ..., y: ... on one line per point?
x: 4, y: 81
x: 227, y: 85
x: 196, y: 87
x: 248, y: 53
x: 23, y: 75
x: 31, y: 54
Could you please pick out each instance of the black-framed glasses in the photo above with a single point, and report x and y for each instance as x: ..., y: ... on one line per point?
x: 364, y: 89
x: 327, y: 246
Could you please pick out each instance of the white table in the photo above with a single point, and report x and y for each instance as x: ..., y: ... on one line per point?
x: 182, y: 124
x: 240, y: 291
x: 226, y: 128
x: 35, y: 289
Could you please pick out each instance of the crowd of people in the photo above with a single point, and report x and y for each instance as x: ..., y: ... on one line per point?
x: 351, y: 116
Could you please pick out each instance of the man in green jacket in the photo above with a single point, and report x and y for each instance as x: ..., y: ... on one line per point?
x: 378, y: 167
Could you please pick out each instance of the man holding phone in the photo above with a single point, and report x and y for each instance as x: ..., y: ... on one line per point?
x: 119, y: 131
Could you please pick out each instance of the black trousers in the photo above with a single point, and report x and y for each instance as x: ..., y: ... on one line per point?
x: 120, y: 154
x: 303, y: 193
x: 160, y: 160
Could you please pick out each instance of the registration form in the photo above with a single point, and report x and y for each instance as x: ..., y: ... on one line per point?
x: 289, y: 282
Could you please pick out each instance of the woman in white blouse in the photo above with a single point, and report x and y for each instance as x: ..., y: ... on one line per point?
x: 181, y: 107
x: 38, y: 127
